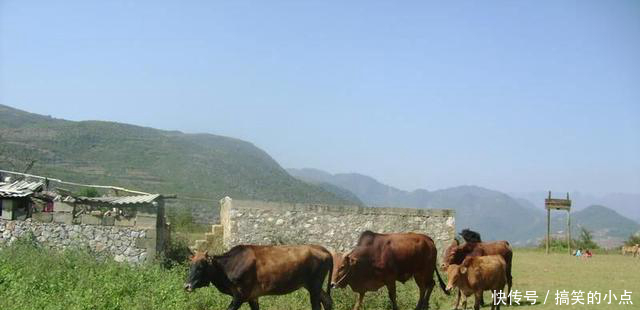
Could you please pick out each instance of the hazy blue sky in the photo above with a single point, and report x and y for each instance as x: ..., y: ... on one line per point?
x: 510, y: 95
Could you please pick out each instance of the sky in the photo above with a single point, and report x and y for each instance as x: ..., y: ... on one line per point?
x: 510, y: 95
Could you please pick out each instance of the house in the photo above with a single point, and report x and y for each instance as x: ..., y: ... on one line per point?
x: 127, y: 227
x: 15, y: 199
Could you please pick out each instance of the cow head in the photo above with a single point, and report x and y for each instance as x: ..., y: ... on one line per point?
x: 454, y: 273
x: 343, y: 266
x: 199, y: 271
x: 337, y: 257
x: 449, y: 255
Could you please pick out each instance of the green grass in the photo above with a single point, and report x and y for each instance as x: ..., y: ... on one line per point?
x: 36, y: 278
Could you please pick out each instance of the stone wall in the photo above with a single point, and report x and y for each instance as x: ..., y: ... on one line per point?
x: 124, y: 244
x: 335, y: 227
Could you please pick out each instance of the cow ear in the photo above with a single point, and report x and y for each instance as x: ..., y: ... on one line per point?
x: 463, y: 270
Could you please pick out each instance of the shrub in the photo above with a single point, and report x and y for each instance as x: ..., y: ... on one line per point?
x: 176, y: 253
x: 585, y: 240
x: 88, y: 192
x: 633, y: 240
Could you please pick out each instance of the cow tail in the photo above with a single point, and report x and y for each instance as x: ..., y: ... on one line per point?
x: 330, y: 275
x: 442, y: 285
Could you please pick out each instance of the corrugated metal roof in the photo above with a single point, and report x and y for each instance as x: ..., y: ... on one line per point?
x: 121, y: 200
x: 20, y: 188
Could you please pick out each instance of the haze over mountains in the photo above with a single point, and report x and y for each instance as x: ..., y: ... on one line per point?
x: 199, y: 165
x: 495, y: 214
x: 627, y: 204
x: 210, y: 167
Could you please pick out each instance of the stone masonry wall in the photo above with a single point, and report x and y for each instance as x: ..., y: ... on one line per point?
x: 124, y: 244
x: 335, y: 227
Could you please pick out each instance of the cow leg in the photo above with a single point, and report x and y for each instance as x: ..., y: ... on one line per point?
x: 425, y: 286
x: 359, y: 301
x: 391, y: 289
x: 253, y: 304
x: 464, y: 301
x: 316, y: 303
x: 478, y: 301
x: 235, y: 304
x: 456, y: 302
x: 325, y: 299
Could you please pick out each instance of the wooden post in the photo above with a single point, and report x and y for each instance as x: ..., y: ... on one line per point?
x: 548, y: 224
x: 558, y: 204
x: 548, y: 228
x: 569, y: 226
x: 569, y: 231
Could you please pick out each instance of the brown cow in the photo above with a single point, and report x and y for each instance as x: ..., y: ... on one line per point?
x: 247, y: 272
x: 456, y: 254
x: 476, y: 275
x: 382, y: 259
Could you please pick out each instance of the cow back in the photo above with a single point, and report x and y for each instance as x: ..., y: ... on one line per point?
x: 486, y: 272
x: 398, y: 255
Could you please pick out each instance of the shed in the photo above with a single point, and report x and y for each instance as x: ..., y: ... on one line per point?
x: 15, y: 199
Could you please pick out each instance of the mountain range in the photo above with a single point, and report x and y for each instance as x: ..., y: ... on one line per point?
x: 202, y: 168
x: 496, y: 215
x: 627, y: 204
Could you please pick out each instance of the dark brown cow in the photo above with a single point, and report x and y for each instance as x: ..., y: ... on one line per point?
x: 247, y: 272
x: 382, y: 259
x: 476, y: 275
x: 456, y: 254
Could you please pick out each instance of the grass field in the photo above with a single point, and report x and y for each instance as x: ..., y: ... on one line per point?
x: 35, y: 278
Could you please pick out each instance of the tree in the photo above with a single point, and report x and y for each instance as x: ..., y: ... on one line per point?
x: 633, y: 240
x: 585, y: 240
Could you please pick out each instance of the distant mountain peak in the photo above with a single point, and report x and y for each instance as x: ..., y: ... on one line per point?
x: 494, y: 214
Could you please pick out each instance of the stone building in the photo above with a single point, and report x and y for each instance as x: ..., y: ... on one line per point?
x: 128, y: 228
x: 15, y: 199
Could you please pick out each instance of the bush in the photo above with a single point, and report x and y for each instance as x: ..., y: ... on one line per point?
x: 559, y: 243
x: 633, y: 240
x: 88, y: 192
x: 585, y: 240
x: 177, y: 252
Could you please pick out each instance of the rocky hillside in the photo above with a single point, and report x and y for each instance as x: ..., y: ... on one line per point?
x: 190, y: 165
